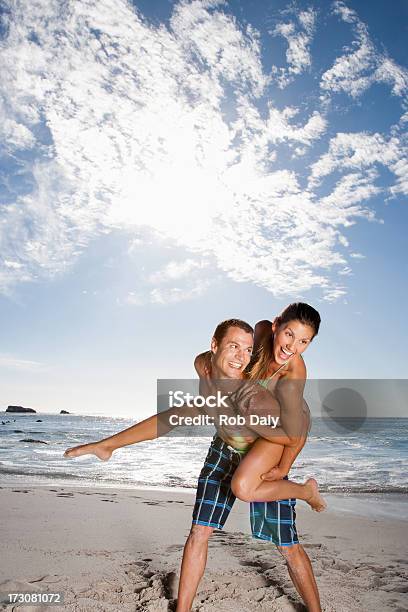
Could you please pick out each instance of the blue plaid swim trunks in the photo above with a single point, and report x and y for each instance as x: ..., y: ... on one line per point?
x: 273, y: 521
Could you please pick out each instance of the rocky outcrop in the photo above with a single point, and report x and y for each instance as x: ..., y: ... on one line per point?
x: 64, y: 412
x: 19, y: 409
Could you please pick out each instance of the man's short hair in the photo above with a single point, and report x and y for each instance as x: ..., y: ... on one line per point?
x: 222, y: 328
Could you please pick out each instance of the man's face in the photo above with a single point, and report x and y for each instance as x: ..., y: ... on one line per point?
x: 232, y: 355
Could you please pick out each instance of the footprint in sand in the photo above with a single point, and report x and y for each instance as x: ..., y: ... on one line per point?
x: 174, y: 548
x: 249, y: 563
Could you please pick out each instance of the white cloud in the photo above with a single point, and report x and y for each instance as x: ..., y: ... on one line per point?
x: 167, y: 293
x: 14, y: 265
x: 178, y: 294
x: 214, y: 37
x: 299, y: 37
x: 362, y: 65
x: 389, y: 72
x: 131, y: 132
x: 351, y: 73
x: 16, y: 135
x: 352, y: 189
x: 361, y: 151
x: 332, y: 295
x: 15, y: 363
x: 176, y: 270
x: 179, y: 280
x: 279, y: 129
x: 346, y: 13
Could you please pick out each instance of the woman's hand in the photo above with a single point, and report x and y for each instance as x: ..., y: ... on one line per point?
x: 275, y: 473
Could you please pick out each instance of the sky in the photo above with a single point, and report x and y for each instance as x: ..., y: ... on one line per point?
x: 165, y: 165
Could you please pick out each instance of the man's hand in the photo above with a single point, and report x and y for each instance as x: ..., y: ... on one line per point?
x: 275, y: 473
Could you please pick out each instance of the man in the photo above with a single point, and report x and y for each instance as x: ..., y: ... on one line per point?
x: 231, y: 350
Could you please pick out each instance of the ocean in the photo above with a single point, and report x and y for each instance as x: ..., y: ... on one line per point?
x: 370, y: 459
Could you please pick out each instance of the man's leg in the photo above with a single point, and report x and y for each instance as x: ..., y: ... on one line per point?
x: 214, y: 500
x: 301, y: 573
x: 193, y: 565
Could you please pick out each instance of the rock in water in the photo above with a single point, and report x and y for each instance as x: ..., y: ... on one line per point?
x: 19, y: 409
x: 32, y: 440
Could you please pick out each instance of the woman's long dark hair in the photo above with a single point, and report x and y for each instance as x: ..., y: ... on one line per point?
x: 298, y: 311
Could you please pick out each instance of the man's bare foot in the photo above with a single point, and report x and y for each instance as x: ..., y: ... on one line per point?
x: 315, y: 500
x: 94, y: 448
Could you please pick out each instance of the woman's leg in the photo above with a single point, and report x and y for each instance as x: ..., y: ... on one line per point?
x: 149, y: 429
x: 248, y: 486
x: 103, y: 449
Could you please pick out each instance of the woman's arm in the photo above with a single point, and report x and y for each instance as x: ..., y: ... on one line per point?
x: 277, y: 435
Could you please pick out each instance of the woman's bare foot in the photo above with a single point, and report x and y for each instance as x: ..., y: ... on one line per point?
x: 94, y: 448
x: 315, y: 500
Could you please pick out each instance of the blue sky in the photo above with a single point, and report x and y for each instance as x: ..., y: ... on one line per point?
x: 167, y: 165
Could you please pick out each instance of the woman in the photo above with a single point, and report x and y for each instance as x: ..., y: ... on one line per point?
x: 278, y: 367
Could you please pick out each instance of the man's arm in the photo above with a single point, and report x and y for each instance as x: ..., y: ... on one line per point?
x: 286, y: 402
x: 253, y: 400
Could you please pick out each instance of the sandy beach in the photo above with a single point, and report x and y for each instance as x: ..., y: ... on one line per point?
x: 120, y: 549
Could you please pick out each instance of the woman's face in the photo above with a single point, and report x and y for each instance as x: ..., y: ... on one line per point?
x: 290, y: 339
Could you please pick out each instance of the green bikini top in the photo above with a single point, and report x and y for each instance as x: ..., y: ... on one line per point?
x: 265, y: 383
